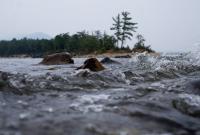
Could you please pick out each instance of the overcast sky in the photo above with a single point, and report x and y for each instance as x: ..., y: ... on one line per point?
x: 167, y: 25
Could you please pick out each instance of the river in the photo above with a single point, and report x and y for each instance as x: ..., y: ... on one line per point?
x: 144, y: 95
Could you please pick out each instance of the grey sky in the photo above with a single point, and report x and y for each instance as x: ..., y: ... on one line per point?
x: 168, y: 25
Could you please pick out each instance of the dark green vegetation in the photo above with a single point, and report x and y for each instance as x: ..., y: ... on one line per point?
x: 123, y: 27
x: 140, y: 45
x: 80, y: 43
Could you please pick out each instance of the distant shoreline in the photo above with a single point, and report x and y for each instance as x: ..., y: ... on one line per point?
x: 102, y: 55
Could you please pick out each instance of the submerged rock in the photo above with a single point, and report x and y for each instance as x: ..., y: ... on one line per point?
x: 108, y: 60
x: 3, y: 79
x: 196, y: 84
x: 93, y: 64
x: 188, y: 104
x: 2, y: 84
x: 123, y: 56
x: 57, y: 59
x: 3, y: 76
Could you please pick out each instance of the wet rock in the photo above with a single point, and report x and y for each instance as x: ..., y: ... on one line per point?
x: 123, y: 56
x: 2, y: 84
x: 108, y: 60
x: 3, y: 76
x: 8, y: 83
x: 3, y: 79
x: 196, y: 84
x: 188, y: 104
x: 57, y: 59
x: 93, y: 64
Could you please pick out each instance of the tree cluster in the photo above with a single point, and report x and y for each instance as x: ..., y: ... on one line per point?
x: 140, y: 45
x: 124, y: 28
x: 77, y: 44
x: 80, y: 43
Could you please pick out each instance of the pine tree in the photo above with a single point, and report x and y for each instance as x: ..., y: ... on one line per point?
x: 117, y: 27
x: 128, y: 28
x: 140, y: 45
x: 140, y: 39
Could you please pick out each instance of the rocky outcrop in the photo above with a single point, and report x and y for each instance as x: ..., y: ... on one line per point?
x: 108, y: 60
x: 92, y: 64
x: 58, y: 59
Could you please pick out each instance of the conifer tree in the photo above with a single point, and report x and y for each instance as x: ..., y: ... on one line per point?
x: 117, y: 27
x: 140, y: 39
x: 123, y: 27
x: 128, y: 27
x: 140, y: 45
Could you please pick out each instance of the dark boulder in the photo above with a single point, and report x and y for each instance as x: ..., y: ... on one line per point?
x: 2, y: 84
x: 107, y: 60
x: 58, y: 59
x: 3, y: 79
x: 4, y: 76
x: 123, y: 56
x: 92, y: 64
x: 196, y: 84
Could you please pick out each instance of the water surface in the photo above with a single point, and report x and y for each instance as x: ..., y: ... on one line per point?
x: 142, y: 95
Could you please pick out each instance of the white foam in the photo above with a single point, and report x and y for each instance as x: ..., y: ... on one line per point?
x: 190, y: 99
x: 87, y: 103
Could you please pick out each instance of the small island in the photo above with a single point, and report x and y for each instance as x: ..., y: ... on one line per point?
x: 81, y: 43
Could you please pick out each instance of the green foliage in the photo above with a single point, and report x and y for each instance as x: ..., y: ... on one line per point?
x: 128, y: 27
x: 123, y: 27
x: 79, y: 43
x: 140, y: 45
x: 117, y: 27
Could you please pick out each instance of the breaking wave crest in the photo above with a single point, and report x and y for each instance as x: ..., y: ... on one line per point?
x: 140, y: 68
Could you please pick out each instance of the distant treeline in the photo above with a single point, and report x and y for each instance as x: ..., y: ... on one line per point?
x: 80, y: 43
x: 77, y: 44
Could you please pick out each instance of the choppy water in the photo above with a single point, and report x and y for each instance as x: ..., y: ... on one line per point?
x: 142, y: 95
